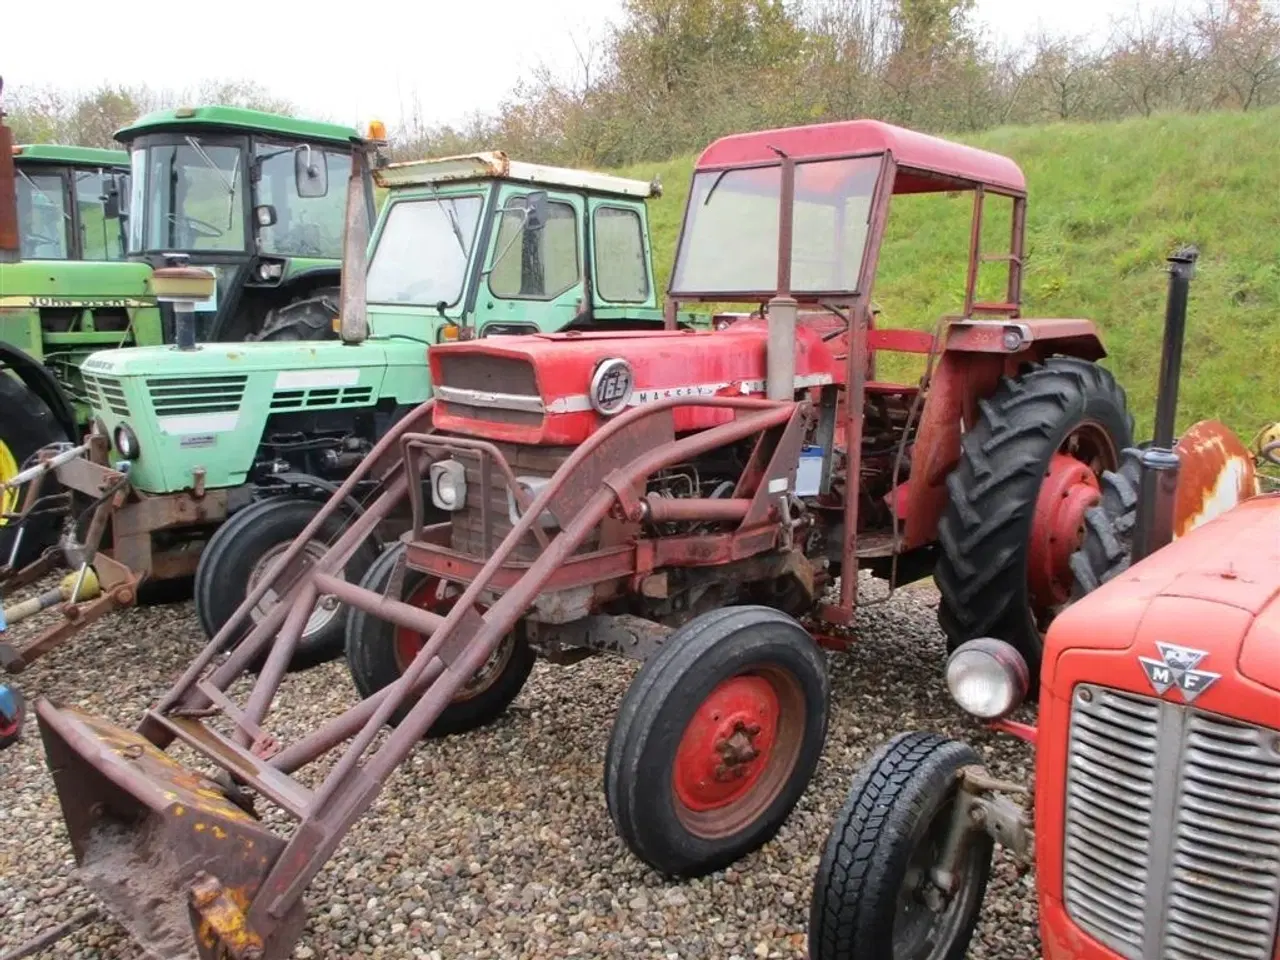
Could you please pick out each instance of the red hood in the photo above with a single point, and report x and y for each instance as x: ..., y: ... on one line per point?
x: 544, y: 379
x: 1216, y: 590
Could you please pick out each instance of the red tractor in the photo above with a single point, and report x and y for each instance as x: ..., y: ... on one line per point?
x: 1157, y: 778
x: 680, y: 497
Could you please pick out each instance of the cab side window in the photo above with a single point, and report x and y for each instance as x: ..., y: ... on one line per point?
x: 618, y: 236
x: 536, y: 264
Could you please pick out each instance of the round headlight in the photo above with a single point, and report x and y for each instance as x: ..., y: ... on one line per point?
x: 446, y: 492
x: 987, y: 678
x: 126, y: 442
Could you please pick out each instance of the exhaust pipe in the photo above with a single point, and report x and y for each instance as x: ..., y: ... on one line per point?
x: 181, y: 286
x: 1160, y: 465
x: 780, y: 349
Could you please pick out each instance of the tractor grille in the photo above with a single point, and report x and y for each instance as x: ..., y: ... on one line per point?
x: 319, y: 398
x: 105, y: 393
x: 185, y: 396
x: 1172, y: 829
x: 494, y: 389
x: 468, y: 525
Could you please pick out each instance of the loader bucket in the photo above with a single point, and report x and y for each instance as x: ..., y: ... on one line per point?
x: 171, y: 858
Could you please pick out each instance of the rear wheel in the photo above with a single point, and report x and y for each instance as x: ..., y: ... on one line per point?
x: 1029, y: 471
x: 250, y: 546
x: 27, y: 426
x: 378, y: 652
x: 309, y: 319
x: 716, y: 740
x: 1107, y: 545
x: 874, y: 896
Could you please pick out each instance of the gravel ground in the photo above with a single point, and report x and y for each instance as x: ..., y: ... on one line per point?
x: 498, y: 843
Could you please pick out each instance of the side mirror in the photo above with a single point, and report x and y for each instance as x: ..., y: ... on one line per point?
x: 536, y: 210
x: 310, y: 174
x: 265, y: 215
x: 115, y: 196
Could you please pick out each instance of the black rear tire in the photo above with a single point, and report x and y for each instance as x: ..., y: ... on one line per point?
x: 309, y: 319
x: 26, y: 426
x: 702, y: 695
x: 248, y: 540
x: 374, y: 661
x: 897, y: 804
x: 1107, y: 547
x: 985, y: 531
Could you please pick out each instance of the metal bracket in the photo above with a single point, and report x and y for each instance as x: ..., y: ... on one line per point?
x: 979, y: 806
x: 226, y: 921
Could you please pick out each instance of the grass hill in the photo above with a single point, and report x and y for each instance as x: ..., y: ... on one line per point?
x: 1107, y: 204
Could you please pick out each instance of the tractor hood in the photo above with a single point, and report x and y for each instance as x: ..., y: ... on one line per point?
x: 53, y: 283
x: 1214, y: 591
x: 558, y: 388
x: 331, y: 357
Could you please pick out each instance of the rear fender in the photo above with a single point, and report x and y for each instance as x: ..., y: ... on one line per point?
x: 43, y: 384
x: 1216, y: 471
x: 975, y: 355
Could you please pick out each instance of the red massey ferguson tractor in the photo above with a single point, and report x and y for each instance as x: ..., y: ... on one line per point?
x: 680, y: 497
x: 1157, y: 779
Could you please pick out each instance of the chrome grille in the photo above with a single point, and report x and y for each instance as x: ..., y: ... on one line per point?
x: 1171, y: 844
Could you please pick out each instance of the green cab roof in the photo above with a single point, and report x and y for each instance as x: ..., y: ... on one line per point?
x: 238, y: 118
x: 76, y: 156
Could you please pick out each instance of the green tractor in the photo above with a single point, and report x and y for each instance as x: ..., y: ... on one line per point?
x: 230, y: 449
x: 253, y: 197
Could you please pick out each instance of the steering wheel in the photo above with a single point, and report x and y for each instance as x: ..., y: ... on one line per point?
x: 206, y: 229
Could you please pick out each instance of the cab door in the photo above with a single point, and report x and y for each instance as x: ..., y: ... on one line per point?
x: 533, y: 277
x: 621, y: 262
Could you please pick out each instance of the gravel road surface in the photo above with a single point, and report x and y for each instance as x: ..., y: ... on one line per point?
x: 498, y: 843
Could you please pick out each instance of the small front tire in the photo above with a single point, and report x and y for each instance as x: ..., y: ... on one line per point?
x: 717, y: 738
x: 873, y: 895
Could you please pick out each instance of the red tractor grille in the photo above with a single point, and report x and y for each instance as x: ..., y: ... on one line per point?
x: 484, y: 387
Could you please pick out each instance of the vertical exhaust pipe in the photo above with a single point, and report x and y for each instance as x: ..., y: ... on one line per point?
x: 10, y: 247
x: 1159, y: 486
x: 780, y: 349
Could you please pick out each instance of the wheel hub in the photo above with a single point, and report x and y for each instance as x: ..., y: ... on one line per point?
x: 727, y: 744
x: 436, y: 597
x: 326, y: 606
x: 1069, y: 489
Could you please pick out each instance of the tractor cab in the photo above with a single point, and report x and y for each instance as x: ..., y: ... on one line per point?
x: 68, y: 201
x: 256, y: 198
x: 476, y: 245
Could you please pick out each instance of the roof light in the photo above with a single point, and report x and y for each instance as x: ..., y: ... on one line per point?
x: 377, y: 130
x: 185, y: 112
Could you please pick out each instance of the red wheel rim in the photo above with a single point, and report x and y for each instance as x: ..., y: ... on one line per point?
x: 408, y: 643
x: 737, y: 752
x: 1069, y: 489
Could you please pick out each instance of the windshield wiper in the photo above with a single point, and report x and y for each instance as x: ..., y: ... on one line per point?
x: 452, y: 213
x: 43, y: 196
x: 195, y: 145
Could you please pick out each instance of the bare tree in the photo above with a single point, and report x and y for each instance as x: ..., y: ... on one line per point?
x: 1149, y: 59
x: 1241, y: 49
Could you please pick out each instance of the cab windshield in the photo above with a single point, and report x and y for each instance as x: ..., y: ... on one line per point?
x: 43, y: 217
x: 305, y: 226
x: 423, y: 250
x: 730, y: 242
x: 101, y: 236
x: 195, y: 189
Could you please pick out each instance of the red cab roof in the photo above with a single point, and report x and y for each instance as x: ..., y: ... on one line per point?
x: 931, y: 163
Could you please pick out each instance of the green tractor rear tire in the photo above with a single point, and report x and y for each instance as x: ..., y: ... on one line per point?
x: 26, y: 427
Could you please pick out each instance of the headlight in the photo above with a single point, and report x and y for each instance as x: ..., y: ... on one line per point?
x: 126, y: 442
x: 448, y: 485
x: 987, y: 678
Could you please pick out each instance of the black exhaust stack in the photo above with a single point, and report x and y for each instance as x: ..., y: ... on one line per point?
x: 1159, y: 463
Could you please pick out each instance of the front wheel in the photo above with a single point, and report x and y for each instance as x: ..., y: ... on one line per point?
x: 716, y: 740
x: 875, y: 896
x: 26, y: 427
x: 379, y: 652
x: 249, y: 547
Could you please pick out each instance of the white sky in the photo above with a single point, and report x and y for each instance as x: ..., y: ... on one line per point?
x: 391, y: 53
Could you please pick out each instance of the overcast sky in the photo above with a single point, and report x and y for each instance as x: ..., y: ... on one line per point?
x: 453, y: 58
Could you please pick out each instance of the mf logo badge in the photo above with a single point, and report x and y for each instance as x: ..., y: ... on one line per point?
x: 1177, y: 668
x: 611, y: 386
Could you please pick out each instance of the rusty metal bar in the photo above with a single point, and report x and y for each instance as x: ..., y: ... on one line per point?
x: 10, y: 247
x: 1017, y: 250
x: 786, y: 220
x: 384, y: 608
x: 665, y: 510
x: 286, y: 641
x: 975, y: 250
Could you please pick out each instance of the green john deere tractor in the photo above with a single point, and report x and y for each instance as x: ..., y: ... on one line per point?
x: 254, y: 197
x: 250, y: 439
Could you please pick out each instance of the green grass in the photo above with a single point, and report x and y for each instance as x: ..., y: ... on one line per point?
x: 1108, y: 203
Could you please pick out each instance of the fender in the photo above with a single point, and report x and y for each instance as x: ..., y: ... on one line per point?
x: 42, y: 383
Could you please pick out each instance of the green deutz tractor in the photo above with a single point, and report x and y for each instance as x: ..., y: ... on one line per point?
x: 254, y: 197
x: 249, y: 439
